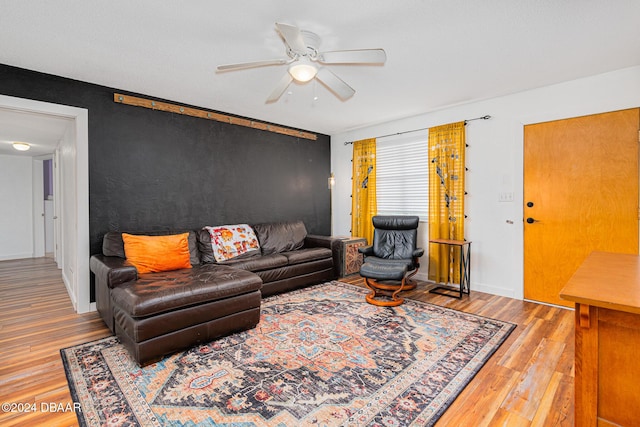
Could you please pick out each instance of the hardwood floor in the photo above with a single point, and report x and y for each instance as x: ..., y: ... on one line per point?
x: 37, y: 320
x: 527, y: 382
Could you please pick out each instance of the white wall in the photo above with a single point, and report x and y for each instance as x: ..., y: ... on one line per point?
x: 495, y: 162
x: 16, y: 207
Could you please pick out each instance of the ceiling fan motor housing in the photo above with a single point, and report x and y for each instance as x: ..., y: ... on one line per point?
x: 311, y: 41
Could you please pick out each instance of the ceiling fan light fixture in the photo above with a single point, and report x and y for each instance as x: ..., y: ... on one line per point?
x: 21, y: 146
x: 306, y: 62
x: 302, y: 71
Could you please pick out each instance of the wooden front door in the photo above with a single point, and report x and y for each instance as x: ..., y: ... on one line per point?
x: 580, y: 195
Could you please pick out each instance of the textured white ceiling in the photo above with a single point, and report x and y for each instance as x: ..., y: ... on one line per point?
x: 43, y: 132
x: 440, y: 52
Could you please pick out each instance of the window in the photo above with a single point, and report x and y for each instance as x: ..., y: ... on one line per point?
x: 402, y: 175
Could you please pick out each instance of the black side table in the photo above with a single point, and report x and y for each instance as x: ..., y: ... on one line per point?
x: 465, y: 268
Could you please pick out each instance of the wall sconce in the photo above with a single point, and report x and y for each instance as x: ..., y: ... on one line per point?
x: 21, y: 146
x: 331, y: 182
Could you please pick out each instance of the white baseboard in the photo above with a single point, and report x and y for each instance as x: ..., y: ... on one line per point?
x: 480, y: 287
x: 493, y: 290
x: 420, y: 275
x: 72, y: 296
x: 10, y: 257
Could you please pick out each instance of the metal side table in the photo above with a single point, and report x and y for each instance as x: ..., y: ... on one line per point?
x: 465, y: 268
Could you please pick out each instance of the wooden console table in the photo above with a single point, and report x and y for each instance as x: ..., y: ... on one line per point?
x: 465, y: 268
x: 606, y: 292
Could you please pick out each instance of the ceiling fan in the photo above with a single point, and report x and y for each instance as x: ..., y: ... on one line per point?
x: 306, y: 62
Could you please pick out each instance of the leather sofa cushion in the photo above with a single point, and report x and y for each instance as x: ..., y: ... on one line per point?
x: 307, y: 254
x: 295, y: 270
x: 258, y: 263
x: 204, y: 246
x: 161, y: 292
x: 277, y: 237
x: 113, y: 245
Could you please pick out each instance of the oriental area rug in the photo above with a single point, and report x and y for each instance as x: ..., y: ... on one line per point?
x: 320, y: 356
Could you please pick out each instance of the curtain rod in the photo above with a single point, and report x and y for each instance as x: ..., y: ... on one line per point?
x: 486, y: 117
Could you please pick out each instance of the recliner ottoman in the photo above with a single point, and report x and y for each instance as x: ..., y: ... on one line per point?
x: 161, y: 313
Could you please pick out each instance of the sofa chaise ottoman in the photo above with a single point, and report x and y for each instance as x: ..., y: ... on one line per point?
x: 157, y: 313
x: 161, y: 313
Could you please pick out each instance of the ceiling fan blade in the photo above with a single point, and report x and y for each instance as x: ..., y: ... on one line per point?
x: 335, y: 84
x: 293, y: 37
x: 359, y: 56
x: 254, y: 64
x: 282, y: 85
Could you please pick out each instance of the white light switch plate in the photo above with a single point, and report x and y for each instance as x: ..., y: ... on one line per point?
x: 506, y: 196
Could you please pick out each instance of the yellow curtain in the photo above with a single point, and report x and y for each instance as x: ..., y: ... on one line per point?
x: 446, y: 199
x: 363, y: 195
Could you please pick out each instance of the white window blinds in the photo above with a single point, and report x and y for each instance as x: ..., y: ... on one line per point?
x: 402, y: 175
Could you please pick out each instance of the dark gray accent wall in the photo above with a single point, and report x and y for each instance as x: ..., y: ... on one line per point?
x: 152, y: 170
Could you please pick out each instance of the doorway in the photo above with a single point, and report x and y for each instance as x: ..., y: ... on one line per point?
x: 44, y: 209
x: 49, y: 207
x: 72, y: 191
x: 580, y: 195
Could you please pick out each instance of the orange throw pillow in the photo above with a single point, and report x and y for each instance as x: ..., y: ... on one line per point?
x: 151, y: 254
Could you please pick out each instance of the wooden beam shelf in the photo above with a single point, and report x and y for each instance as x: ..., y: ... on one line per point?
x: 210, y: 115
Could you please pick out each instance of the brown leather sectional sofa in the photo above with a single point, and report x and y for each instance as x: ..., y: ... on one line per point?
x: 156, y: 314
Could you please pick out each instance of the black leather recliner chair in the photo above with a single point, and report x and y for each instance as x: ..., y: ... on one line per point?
x: 392, y: 259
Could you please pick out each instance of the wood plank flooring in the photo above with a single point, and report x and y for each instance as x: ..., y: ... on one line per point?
x: 37, y: 320
x: 527, y: 382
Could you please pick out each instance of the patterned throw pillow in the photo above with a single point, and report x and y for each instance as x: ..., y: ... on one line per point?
x: 230, y: 241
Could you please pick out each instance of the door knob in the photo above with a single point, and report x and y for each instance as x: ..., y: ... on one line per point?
x: 529, y: 204
x: 531, y: 220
